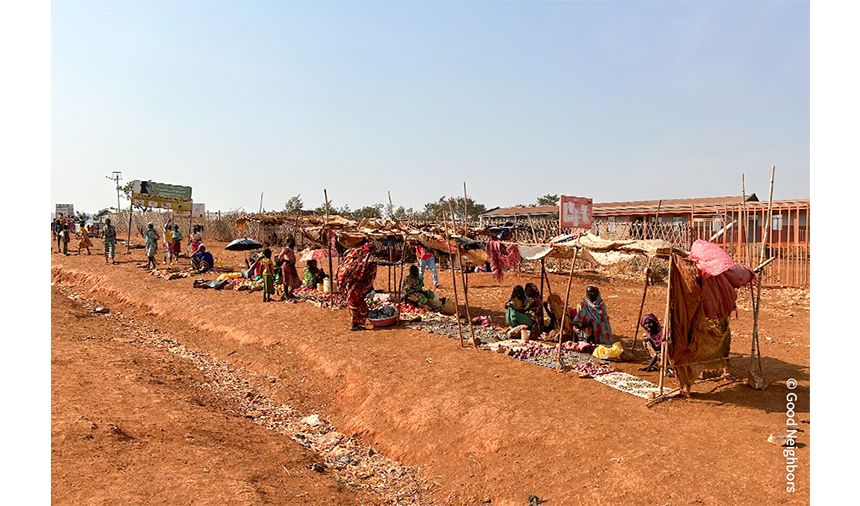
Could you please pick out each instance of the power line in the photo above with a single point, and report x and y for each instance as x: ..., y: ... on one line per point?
x: 116, y: 177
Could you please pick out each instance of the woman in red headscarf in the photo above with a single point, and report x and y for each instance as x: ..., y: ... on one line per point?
x: 355, y: 278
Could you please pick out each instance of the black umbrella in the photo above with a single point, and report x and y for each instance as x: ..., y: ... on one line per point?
x: 243, y: 244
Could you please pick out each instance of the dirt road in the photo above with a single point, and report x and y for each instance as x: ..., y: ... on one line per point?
x: 136, y: 421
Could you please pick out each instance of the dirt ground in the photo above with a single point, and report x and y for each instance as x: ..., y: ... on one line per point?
x: 189, y: 396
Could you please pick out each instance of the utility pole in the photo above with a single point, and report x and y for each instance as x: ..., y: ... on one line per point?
x: 116, y: 177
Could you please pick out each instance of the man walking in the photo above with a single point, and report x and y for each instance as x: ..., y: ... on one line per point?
x: 425, y: 260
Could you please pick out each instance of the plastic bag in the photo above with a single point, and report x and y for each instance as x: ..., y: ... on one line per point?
x: 614, y: 351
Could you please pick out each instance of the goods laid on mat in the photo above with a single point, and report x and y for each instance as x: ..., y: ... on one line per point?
x: 318, y: 297
x: 379, y: 299
x: 444, y: 325
x: 591, y: 369
x: 629, y: 383
x: 540, y: 353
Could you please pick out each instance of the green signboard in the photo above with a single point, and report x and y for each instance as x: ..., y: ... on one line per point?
x: 161, y: 195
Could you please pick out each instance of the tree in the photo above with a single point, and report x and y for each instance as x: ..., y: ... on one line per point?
x: 547, y: 200
x: 435, y: 211
x: 294, y: 205
x: 320, y: 209
x: 81, y: 216
x: 374, y: 211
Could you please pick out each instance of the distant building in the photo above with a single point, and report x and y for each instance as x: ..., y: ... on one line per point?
x: 682, y: 221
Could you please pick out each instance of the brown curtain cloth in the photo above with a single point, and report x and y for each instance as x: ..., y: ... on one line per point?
x: 694, y: 337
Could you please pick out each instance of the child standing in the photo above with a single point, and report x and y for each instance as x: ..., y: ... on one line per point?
x: 267, y: 269
x: 85, y: 241
x: 168, y: 240
x: 177, y: 241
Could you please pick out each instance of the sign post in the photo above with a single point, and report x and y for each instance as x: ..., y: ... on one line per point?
x: 65, y: 209
x: 574, y: 212
x: 159, y: 196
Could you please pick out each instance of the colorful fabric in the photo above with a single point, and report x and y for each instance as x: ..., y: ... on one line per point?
x: 289, y: 275
x: 600, y: 331
x: 514, y: 318
x: 196, y: 240
x: 501, y: 257
x: 535, y: 312
x: 710, y: 259
x: 355, y: 277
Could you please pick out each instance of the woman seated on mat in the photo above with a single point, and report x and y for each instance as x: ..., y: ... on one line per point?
x: 534, y: 308
x: 202, y: 260
x: 653, y: 341
x: 313, y: 275
x: 415, y: 294
x: 590, y: 320
x: 518, y: 311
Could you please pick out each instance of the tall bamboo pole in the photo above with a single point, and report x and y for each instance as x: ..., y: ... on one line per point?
x: 641, y: 305
x: 745, y: 217
x: 532, y: 225
x: 755, y: 345
x: 692, y: 224
x: 542, y: 275
x: 453, y: 280
x: 667, y: 325
x: 465, y: 207
x: 475, y: 342
x: 128, y: 241
x: 564, y: 312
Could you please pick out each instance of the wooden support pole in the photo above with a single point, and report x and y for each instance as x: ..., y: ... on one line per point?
x: 475, y: 341
x: 745, y: 217
x: 657, y: 220
x: 542, y: 275
x: 641, y: 305
x: 128, y: 241
x: 532, y: 225
x: 453, y: 280
x: 397, y: 289
x: 755, y: 345
x: 667, y: 325
x: 692, y: 224
x: 564, y: 314
x: 465, y: 208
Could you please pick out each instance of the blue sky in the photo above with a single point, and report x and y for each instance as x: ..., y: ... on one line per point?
x: 616, y: 100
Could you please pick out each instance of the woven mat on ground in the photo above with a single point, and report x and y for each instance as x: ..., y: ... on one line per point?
x: 568, y: 359
x: 628, y: 383
x: 448, y: 328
